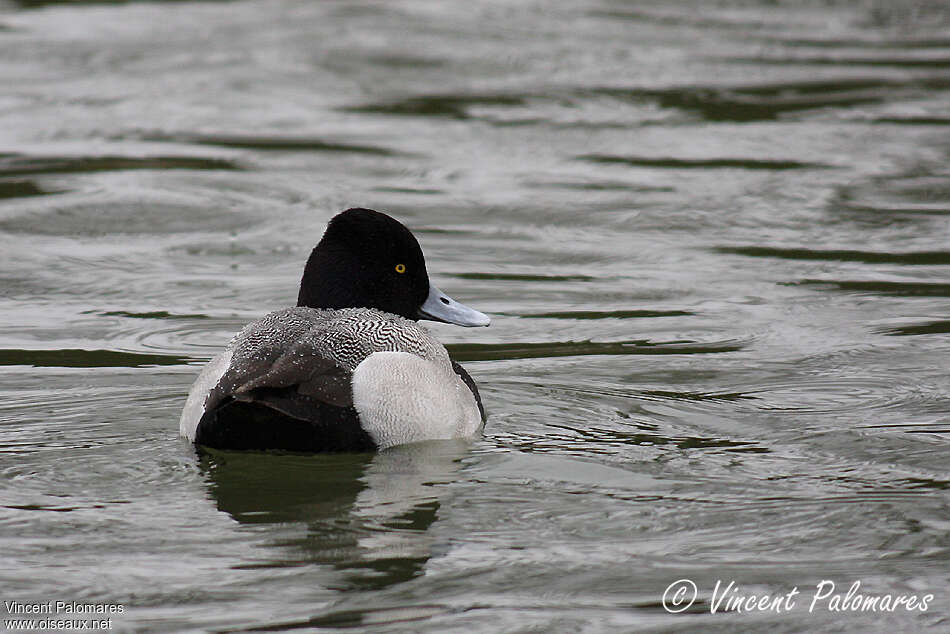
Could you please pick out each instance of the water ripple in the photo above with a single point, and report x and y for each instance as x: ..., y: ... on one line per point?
x: 524, y: 350
x: 523, y: 277
x: 87, y: 358
x: 936, y: 327
x: 762, y: 102
x: 709, y: 163
x: 18, y: 188
x: 842, y: 255
x: 900, y: 289
x: 106, y: 218
x: 454, y: 106
x: 268, y: 143
x: 867, y: 61
x: 22, y: 164
x: 606, y: 314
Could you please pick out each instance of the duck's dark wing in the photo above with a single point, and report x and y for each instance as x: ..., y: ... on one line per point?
x: 470, y: 382
x: 276, y: 395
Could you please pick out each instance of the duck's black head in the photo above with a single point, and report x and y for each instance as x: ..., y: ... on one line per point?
x: 367, y: 259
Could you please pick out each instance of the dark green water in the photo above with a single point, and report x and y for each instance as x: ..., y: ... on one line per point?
x: 714, y: 239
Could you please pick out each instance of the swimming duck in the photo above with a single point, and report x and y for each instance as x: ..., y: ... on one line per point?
x: 348, y: 368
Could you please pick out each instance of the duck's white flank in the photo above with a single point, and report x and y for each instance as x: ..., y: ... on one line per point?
x: 195, y: 405
x: 403, y: 398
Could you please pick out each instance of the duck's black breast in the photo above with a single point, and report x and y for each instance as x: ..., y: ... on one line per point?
x: 470, y: 382
x: 283, y: 419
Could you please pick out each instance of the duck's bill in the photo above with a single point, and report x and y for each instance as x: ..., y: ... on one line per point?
x: 440, y: 307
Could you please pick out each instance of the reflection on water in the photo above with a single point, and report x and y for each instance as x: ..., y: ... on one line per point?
x: 364, y: 514
x: 712, y: 238
x: 255, y: 488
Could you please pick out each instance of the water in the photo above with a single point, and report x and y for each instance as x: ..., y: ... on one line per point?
x: 713, y: 239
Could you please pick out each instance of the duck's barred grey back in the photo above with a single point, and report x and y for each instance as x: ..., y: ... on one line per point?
x: 352, y: 335
x: 346, y: 336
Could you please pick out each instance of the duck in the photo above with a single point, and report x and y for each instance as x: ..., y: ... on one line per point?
x: 349, y: 368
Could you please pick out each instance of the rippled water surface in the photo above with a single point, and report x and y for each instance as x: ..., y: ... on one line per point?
x: 714, y: 239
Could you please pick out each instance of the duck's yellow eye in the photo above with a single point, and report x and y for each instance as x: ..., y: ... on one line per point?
x: 400, y: 268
